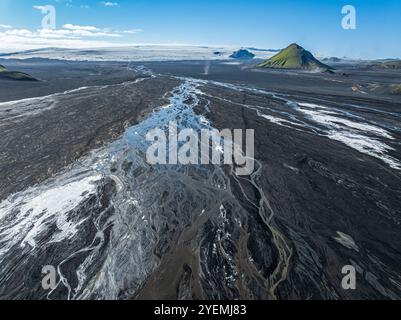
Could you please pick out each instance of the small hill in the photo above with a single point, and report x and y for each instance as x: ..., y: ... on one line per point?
x: 332, y: 59
x: 242, y: 54
x: 389, y: 64
x: 14, y: 75
x: 295, y: 57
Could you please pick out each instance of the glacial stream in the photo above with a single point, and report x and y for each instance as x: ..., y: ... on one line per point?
x: 106, y: 222
x: 115, y: 227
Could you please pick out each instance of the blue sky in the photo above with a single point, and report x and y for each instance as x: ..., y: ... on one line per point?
x: 316, y: 25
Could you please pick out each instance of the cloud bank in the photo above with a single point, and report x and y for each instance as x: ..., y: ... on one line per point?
x: 70, y: 35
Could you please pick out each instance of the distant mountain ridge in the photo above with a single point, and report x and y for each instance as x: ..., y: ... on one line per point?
x: 388, y: 64
x: 263, y: 50
x: 332, y: 59
x: 294, y: 57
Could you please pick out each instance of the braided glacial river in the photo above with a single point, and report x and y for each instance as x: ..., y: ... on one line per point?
x: 106, y: 221
x: 115, y: 227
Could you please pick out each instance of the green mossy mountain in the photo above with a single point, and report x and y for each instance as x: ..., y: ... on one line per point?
x: 294, y: 57
x: 14, y: 75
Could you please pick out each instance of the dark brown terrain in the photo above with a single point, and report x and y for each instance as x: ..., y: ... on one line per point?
x: 77, y: 193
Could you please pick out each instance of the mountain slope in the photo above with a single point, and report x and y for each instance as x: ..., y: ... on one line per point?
x: 14, y: 75
x: 294, y: 57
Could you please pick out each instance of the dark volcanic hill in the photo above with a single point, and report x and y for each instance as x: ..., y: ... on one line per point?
x: 332, y: 59
x: 242, y: 54
x: 295, y: 57
x: 14, y: 75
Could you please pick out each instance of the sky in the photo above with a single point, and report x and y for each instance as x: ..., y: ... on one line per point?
x: 316, y: 25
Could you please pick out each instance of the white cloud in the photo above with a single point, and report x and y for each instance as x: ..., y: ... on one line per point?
x: 70, y: 35
x: 109, y: 4
x: 132, y: 31
x: 69, y: 31
x: 5, y: 26
x: 12, y: 43
x: 74, y: 34
x: 19, y: 32
x: 77, y: 27
x: 68, y: 3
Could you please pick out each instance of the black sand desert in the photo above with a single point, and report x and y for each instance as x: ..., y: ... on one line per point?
x: 77, y: 193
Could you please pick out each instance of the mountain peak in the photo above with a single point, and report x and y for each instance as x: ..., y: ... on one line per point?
x: 294, y: 57
x: 294, y: 45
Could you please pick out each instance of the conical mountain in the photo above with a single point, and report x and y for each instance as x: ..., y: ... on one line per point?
x: 294, y: 57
